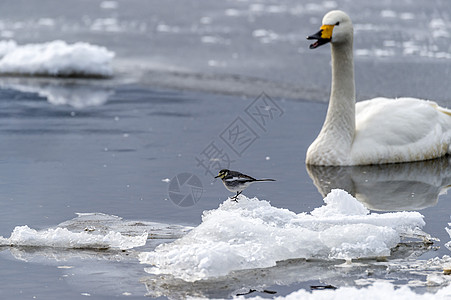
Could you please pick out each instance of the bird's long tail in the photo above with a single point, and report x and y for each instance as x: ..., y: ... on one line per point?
x: 265, y: 180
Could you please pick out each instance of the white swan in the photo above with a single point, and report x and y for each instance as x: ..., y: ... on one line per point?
x: 375, y: 131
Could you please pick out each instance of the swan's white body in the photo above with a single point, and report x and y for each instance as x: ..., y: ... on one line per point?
x: 375, y: 131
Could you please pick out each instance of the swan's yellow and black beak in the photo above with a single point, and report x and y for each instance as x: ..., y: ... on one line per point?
x: 322, y: 37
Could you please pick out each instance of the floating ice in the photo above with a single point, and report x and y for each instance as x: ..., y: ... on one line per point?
x: 375, y: 52
x: 253, y: 234
x: 448, y: 230
x: 94, y: 231
x: 388, y: 14
x: 46, y: 22
x: 439, y: 28
x: 106, y: 24
x: 379, y: 290
x: 232, y: 12
x: 7, y: 47
x: 55, y: 58
x: 265, y: 36
x: 214, y: 40
x: 103, y: 223
x: 108, y: 4
x: 63, y: 238
x: 337, y: 205
x: 407, y: 16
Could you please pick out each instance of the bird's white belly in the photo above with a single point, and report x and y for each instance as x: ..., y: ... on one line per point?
x: 237, y: 188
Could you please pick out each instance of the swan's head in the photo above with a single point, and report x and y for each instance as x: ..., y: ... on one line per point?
x: 337, y: 28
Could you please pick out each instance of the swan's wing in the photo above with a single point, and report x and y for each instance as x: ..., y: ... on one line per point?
x: 405, y: 129
x: 393, y: 122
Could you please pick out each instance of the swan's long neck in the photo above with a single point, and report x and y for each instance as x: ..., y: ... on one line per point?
x: 340, y: 119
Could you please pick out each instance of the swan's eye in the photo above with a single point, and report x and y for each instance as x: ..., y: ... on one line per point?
x: 338, y: 23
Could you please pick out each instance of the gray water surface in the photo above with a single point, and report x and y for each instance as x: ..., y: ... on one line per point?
x: 185, y: 73
x: 113, y: 158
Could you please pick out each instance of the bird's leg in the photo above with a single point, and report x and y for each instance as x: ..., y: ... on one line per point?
x: 234, y: 198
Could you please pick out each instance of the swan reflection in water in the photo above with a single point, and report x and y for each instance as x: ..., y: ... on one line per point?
x: 388, y: 187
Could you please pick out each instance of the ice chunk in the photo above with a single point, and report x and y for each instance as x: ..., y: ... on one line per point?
x: 340, y: 202
x: 103, y: 223
x: 56, y: 58
x: 63, y: 238
x: 388, y: 14
x: 379, y: 290
x: 109, y: 4
x: 253, y: 234
x: 436, y: 279
x: 7, y: 47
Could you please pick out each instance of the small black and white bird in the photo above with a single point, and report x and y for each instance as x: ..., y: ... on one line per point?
x: 236, y: 182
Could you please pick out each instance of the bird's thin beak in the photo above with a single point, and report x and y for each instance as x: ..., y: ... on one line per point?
x: 217, y: 176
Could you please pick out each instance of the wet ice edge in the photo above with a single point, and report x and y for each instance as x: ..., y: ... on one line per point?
x: 253, y: 234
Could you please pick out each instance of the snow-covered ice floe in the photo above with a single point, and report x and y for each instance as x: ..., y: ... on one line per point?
x: 103, y: 223
x: 63, y: 238
x: 94, y: 231
x: 253, y: 234
x: 448, y: 230
x: 56, y: 58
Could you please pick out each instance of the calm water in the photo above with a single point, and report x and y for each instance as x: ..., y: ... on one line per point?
x: 187, y: 74
x: 59, y: 160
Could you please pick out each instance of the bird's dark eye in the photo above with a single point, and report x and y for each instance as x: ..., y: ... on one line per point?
x: 338, y: 23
